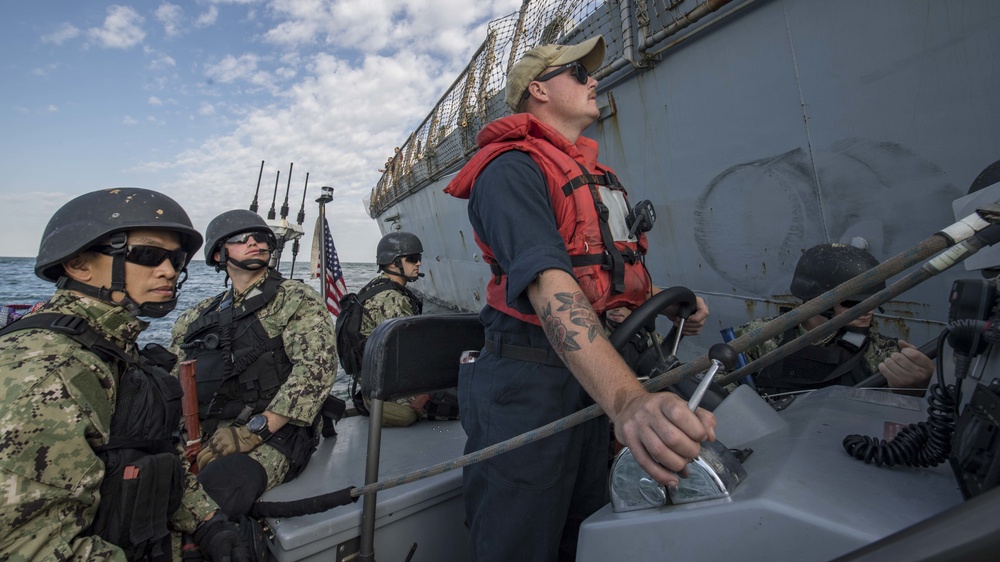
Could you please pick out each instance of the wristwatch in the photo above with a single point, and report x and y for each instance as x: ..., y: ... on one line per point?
x: 258, y: 426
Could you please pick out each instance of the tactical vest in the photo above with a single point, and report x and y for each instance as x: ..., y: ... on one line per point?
x: 240, y: 369
x: 143, y: 477
x: 813, y: 367
x: 610, y: 273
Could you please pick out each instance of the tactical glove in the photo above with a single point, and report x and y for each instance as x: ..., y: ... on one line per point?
x: 228, y: 441
x: 220, y: 540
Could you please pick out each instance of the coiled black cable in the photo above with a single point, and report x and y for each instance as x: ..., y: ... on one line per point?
x: 922, y: 444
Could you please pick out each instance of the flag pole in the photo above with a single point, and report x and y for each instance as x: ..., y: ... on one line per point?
x: 325, y: 198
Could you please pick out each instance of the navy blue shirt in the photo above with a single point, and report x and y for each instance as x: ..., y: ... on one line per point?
x: 511, y: 211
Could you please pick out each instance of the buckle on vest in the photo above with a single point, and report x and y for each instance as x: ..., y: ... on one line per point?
x: 70, y: 324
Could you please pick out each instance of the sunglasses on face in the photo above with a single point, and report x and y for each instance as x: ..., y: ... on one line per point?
x: 579, y: 72
x: 149, y: 256
x: 412, y: 258
x: 241, y: 238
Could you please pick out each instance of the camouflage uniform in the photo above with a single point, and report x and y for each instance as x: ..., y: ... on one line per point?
x: 378, y: 309
x: 298, y: 315
x: 58, y: 400
x: 879, y: 347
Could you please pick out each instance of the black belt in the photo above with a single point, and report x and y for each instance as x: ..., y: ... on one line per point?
x: 522, y: 353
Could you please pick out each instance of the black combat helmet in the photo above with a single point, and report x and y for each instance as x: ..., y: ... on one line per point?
x: 394, y: 245
x: 99, y: 216
x: 229, y: 224
x: 826, y: 266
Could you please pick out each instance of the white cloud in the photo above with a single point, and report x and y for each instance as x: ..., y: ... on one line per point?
x: 208, y: 18
x: 163, y: 62
x: 64, y: 33
x: 52, y: 109
x: 44, y: 70
x: 337, y: 114
x: 153, y: 100
x: 232, y: 68
x: 122, y: 28
x: 171, y: 16
x: 129, y: 120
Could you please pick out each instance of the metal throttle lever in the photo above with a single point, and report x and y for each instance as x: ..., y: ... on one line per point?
x: 722, y: 356
x: 714, y: 474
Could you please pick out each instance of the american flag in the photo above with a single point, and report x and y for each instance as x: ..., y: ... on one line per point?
x: 335, y: 286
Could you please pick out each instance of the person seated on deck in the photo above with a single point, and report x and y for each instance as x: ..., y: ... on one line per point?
x: 850, y: 355
x: 398, y: 260
x: 87, y: 415
x: 266, y: 362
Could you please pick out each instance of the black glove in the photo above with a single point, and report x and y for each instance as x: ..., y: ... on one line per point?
x: 220, y: 540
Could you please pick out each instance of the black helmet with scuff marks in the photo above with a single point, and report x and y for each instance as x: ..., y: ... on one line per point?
x: 826, y: 266
x: 92, y: 217
x: 396, y: 245
x: 228, y: 224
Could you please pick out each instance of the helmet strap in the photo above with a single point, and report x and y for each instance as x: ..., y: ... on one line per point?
x: 246, y: 265
x: 398, y: 262
x: 119, y: 247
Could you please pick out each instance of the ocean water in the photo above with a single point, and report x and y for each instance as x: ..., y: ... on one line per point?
x: 19, y: 285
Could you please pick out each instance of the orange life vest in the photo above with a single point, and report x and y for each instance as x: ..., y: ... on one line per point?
x: 610, y: 273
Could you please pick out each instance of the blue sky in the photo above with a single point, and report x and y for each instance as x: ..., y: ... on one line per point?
x: 189, y: 97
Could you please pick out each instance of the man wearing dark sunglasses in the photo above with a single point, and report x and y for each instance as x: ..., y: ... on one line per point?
x: 265, y: 350
x: 849, y: 356
x: 551, y: 221
x: 397, y: 256
x: 91, y: 420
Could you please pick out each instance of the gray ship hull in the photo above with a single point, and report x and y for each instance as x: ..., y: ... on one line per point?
x: 763, y: 129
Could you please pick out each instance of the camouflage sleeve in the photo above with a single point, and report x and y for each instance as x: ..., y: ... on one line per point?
x: 298, y: 314
x: 49, y: 473
x: 878, y: 351
x: 383, y: 306
x: 757, y: 351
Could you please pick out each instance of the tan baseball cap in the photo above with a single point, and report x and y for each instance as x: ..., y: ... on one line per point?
x: 590, y: 53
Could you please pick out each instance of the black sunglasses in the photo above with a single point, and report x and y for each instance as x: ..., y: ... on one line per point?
x: 579, y: 72
x: 148, y: 256
x: 412, y: 258
x: 241, y: 238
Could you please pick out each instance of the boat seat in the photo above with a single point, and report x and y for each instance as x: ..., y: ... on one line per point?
x: 417, y: 354
x: 404, y: 357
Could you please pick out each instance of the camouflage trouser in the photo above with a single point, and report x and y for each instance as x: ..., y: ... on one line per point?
x: 275, y: 464
x: 397, y: 413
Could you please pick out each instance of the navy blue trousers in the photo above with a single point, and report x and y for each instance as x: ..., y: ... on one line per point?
x: 527, y: 504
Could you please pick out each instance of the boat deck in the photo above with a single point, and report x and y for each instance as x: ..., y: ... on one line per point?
x: 427, y: 513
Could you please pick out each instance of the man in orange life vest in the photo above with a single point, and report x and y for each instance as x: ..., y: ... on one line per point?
x: 534, y: 189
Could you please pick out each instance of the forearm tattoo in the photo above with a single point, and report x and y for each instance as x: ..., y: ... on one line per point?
x: 581, y: 314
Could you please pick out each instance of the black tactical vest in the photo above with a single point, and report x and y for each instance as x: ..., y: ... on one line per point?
x: 813, y: 367
x: 240, y: 369
x: 144, y: 478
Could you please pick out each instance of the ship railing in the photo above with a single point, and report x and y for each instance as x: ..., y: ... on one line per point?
x: 636, y: 33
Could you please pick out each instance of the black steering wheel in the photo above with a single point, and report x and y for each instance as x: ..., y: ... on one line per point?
x: 643, y: 319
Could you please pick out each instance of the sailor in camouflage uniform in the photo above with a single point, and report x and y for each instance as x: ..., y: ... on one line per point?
x: 71, y: 376
x: 398, y: 259
x: 848, y: 356
x: 266, y: 361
